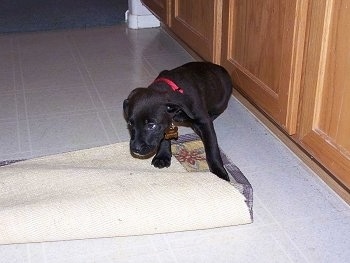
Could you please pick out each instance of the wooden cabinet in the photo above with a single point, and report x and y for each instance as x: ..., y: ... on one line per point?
x: 290, y: 58
x: 160, y: 8
x: 324, y: 126
x: 262, y: 47
x: 198, y: 24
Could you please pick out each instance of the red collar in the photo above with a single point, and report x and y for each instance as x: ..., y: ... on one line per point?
x: 173, y: 86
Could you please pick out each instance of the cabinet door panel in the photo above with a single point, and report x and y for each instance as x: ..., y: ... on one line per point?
x: 263, y: 48
x: 325, y: 107
x: 198, y: 24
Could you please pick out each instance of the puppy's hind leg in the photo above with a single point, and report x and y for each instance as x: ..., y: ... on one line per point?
x: 163, y: 156
x: 206, y: 132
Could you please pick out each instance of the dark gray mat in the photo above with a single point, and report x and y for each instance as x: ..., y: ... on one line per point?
x: 42, y: 15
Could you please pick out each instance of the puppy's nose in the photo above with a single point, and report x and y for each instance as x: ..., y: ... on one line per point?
x: 138, y: 148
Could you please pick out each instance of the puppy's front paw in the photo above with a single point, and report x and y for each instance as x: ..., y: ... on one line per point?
x: 161, y: 161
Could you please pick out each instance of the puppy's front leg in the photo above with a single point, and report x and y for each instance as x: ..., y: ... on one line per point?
x: 163, y: 156
x: 205, y: 130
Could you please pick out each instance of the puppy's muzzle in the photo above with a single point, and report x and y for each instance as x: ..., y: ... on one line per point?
x: 142, y: 151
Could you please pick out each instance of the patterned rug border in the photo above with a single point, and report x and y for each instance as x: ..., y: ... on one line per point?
x: 237, y: 178
x: 8, y: 162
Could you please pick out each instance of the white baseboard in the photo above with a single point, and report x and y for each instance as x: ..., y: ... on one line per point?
x: 141, y: 21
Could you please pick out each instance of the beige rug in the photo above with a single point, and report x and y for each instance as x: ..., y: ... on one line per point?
x: 104, y: 192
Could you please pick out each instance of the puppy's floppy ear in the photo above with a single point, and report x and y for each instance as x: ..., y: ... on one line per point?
x: 174, y: 109
x: 126, y: 102
x: 125, y: 107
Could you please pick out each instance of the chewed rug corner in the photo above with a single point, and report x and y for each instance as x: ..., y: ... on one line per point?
x: 188, y: 149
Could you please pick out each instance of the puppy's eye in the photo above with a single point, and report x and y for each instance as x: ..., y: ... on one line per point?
x: 130, y: 124
x: 151, y: 126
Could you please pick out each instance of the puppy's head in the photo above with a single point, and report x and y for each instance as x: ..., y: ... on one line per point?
x: 147, y: 116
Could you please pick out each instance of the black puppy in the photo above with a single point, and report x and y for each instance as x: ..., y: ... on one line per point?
x: 195, y: 93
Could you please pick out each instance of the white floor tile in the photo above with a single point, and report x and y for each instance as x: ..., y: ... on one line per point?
x: 63, y: 91
x: 39, y: 77
x: 168, y: 61
x: 58, y: 101
x: 291, y: 193
x: 6, y: 77
x: 8, y: 108
x: 115, y: 71
x: 235, y: 244
x: 322, y: 238
x: 67, y: 132
x: 118, y: 124
x: 14, y: 253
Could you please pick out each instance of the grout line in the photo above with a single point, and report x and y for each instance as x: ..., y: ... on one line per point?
x: 52, y: 116
x: 282, y: 248
x: 104, y: 127
x: 282, y: 230
x: 105, y: 108
x: 21, y: 79
x: 172, y: 253
x: 155, y: 249
x: 90, y: 83
x: 29, y: 257
x: 14, y: 62
x: 44, y: 253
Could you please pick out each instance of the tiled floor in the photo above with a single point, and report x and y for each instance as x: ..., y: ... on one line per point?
x: 63, y: 91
